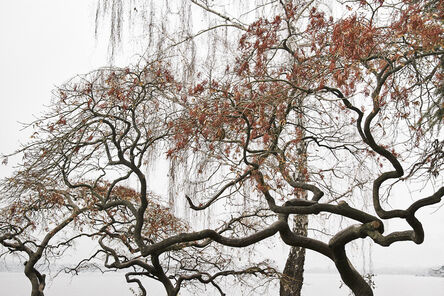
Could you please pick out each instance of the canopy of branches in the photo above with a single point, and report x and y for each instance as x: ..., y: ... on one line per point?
x: 358, y: 96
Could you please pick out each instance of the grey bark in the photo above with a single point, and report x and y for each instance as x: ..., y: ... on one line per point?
x: 292, y: 277
x: 293, y: 274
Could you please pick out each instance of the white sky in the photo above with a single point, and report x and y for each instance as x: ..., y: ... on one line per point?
x: 44, y: 43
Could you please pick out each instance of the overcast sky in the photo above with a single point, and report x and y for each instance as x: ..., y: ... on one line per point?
x: 44, y: 43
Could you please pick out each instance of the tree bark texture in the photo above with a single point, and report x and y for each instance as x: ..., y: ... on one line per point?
x: 293, y: 274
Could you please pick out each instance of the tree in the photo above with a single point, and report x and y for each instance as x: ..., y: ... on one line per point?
x: 304, y: 34
x: 156, y: 17
x: 36, y: 212
x: 97, y: 136
x: 366, y: 79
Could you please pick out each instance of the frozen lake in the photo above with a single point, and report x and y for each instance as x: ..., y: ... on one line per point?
x: 15, y: 284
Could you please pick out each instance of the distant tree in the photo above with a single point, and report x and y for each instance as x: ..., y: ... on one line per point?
x: 366, y: 79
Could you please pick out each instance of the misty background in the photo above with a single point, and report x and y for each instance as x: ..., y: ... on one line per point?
x: 45, y: 43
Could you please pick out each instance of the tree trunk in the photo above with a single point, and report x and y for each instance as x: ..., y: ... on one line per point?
x: 349, y: 275
x: 293, y: 274
x: 38, y: 281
